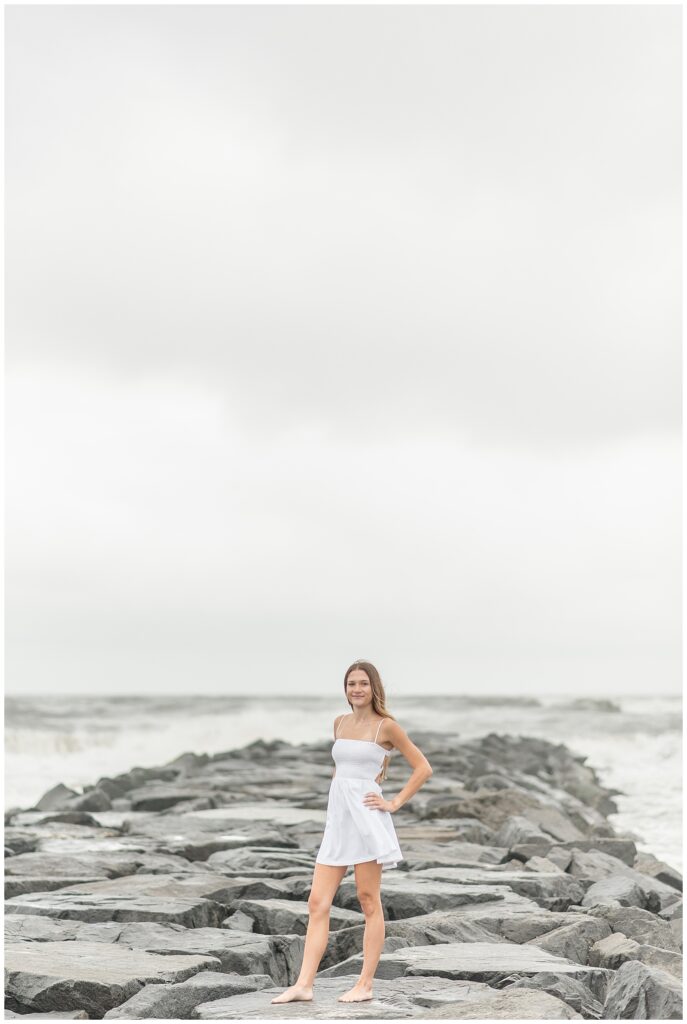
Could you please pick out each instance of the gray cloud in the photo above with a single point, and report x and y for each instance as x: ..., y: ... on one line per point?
x: 343, y: 330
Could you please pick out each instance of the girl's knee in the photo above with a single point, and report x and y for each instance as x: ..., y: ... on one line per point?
x: 318, y: 904
x: 370, y: 902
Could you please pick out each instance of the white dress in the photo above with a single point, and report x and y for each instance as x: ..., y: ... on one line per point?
x: 354, y: 832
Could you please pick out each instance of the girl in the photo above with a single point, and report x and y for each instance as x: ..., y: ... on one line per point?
x: 359, y: 829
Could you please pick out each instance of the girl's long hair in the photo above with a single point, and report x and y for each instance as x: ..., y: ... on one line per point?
x: 378, y: 697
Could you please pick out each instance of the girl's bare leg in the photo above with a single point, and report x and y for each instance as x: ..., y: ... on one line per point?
x: 368, y: 878
x: 325, y: 882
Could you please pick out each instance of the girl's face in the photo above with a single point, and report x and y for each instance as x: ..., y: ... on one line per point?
x: 358, y: 688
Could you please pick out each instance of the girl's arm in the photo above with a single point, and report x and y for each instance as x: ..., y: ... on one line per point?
x: 422, y: 769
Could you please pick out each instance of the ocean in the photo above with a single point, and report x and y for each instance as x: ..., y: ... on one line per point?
x: 635, y: 744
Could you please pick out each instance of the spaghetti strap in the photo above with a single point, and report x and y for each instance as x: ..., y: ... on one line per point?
x: 340, y: 721
x: 378, y: 728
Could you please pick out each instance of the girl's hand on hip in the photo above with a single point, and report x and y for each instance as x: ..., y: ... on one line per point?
x: 376, y: 802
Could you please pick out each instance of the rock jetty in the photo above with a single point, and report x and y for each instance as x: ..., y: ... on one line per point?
x: 181, y: 891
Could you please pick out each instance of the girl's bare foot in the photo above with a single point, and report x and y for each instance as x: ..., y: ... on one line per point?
x: 296, y: 993
x: 357, y: 994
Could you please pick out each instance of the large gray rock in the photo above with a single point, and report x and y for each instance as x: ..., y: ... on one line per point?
x: 190, y: 911
x: 613, y: 950
x: 443, y: 831
x: 256, y: 861
x: 280, y: 917
x: 264, y: 810
x: 622, y: 849
x: 55, y: 1015
x: 511, y: 1004
x: 160, y: 797
x: 94, y: 800
x: 19, y: 840
x: 553, y: 890
x: 617, y: 949
x: 491, y: 963
x: 239, y: 951
x: 553, y: 822
x: 573, y: 941
x: 94, y: 866
x: 517, y: 830
x: 525, y: 927
x: 108, y: 900
x: 197, y: 837
x: 640, y: 925
x: 649, y: 865
x: 543, y: 864
x: 617, y: 889
x: 455, y: 854
x: 638, y: 992
x: 663, y: 959
x: 21, y: 884
x: 488, y: 922
x: 672, y: 912
x: 573, y: 992
x: 55, y: 798
x: 177, y: 1001
x: 593, y: 864
x: 405, y: 895
x: 76, y: 976
x: 408, y: 997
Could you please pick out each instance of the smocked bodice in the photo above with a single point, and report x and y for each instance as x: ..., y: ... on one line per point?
x: 357, y: 759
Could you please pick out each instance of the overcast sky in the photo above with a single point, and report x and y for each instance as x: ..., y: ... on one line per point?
x: 342, y: 332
